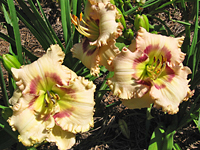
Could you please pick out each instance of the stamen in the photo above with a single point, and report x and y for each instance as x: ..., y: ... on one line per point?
x: 46, y: 103
x: 57, y: 96
x: 48, y: 93
x: 158, y: 62
x: 154, y: 59
x: 81, y: 16
x: 50, y: 97
x: 53, y: 100
x: 91, y: 30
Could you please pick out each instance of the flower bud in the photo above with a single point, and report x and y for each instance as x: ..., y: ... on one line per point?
x: 124, y: 128
x: 9, y: 61
x: 141, y: 21
x: 128, y: 34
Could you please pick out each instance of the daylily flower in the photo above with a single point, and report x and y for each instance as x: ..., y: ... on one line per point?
x: 100, y: 29
x: 151, y: 72
x: 51, y: 102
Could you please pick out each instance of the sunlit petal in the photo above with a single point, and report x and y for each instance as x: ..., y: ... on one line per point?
x: 50, y: 94
x: 123, y: 84
x: 88, y: 56
x: 138, y: 103
x: 40, y: 75
x: 76, y: 105
x: 170, y: 89
x: 31, y: 129
x: 63, y: 139
x: 109, y: 29
x: 145, y: 39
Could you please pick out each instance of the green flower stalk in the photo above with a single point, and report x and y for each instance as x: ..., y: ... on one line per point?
x: 141, y: 21
x: 9, y: 61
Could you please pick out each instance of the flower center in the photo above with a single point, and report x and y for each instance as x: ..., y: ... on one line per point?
x: 50, y: 98
x: 156, y: 67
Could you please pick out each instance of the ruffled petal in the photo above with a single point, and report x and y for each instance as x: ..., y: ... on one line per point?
x: 138, y: 103
x: 109, y: 29
x: 88, y: 55
x: 145, y: 39
x: 63, y: 139
x: 123, y: 84
x: 171, y: 88
x: 31, y: 129
x: 15, y: 98
x: 43, y: 73
x: 106, y: 55
x: 76, y: 105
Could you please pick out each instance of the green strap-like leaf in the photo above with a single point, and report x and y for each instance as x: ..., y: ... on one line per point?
x: 47, y: 32
x: 15, y: 29
x: 157, y: 138
x: 66, y: 23
x: 6, y: 140
x: 8, y: 129
x: 3, y: 88
x: 49, y: 26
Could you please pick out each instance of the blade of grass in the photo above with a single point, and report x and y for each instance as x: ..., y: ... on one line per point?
x: 15, y: 29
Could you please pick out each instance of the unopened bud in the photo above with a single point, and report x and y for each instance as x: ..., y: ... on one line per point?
x: 124, y: 128
x: 141, y: 21
x: 9, y: 61
x: 128, y: 34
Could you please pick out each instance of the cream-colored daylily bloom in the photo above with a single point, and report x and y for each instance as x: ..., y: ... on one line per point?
x: 100, y: 29
x: 51, y: 102
x: 151, y: 72
x: 145, y: 39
